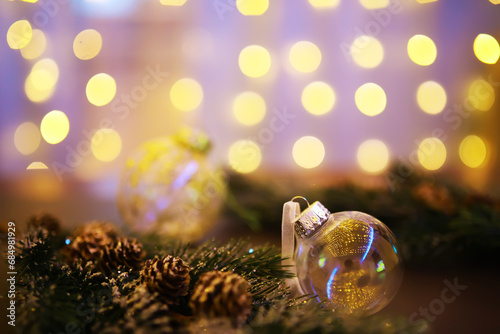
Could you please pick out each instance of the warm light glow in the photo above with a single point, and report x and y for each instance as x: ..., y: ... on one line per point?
x: 374, y: 4
x: 41, y: 81
x: 252, y: 7
x: 19, y: 34
x: 308, y: 152
x: 173, y: 2
x: 495, y: 2
x: 54, y: 127
x: 186, y: 94
x: 37, y: 165
x: 254, y: 61
x: 305, y: 56
x: 431, y: 97
x: 370, y: 99
x: 426, y: 1
x: 244, y: 156
x: 249, y: 108
x: 367, y: 51
x: 486, y: 48
x: 27, y: 138
x: 422, y: 50
x: 36, y: 46
x: 472, y: 151
x: 324, y: 3
x: 431, y: 153
x: 87, y: 44
x: 318, y: 98
x: 373, y: 156
x: 101, y: 89
x: 481, y: 95
x: 106, y: 144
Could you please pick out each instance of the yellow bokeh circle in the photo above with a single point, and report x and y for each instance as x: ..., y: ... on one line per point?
x: 481, y: 95
x: 87, y: 44
x: 373, y: 156
x: 431, y: 153
x: 54, y: 127
x: 19, y: 34
x: 106, y: 144
x: 486, y: 48
x: 249, y: 108
x: 252, y: 7
x: 422, y: 50
x: 370, y: 99
x: 473, y: 151
x: 36, y: 46
x: 367, y: 51
x: 244, y: 156
x: 186, y: 94
x: 318, y: 98
x: 27, y: 138
x: 431, y: 97
x: 101, y: 89
x: 305, y: 56
x: 308, y: 152
x: 254, y: 61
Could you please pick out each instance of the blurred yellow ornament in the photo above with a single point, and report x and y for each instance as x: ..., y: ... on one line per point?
x: 19, y: 34
x: 169, y: 188
x: 252, y: 7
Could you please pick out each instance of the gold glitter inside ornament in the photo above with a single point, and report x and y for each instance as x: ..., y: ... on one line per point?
x: 349, y: 260
x: 168, y: 187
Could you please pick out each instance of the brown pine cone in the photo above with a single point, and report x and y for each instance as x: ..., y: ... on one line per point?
x: 88, y: 241
x: 169, y: 276
x: 127, y: 252
x: 45, y: 221
x: 221, y: 294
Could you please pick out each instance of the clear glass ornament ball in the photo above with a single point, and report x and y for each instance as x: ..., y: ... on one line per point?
x: 169, y: 188
x: 351, y: 262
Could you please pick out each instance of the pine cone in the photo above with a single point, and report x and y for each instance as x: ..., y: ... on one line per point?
x: 169, y: 276
x: 123, y: 251
x: 221, y: 294
x: 45, y: 221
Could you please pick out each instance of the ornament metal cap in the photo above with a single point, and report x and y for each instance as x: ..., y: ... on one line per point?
x: 311, y: 218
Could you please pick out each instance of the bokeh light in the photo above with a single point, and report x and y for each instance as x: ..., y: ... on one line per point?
x: 244, y: 156
x: 431, y: 97
x: 308, y: 152
x: 486, y: 48
x: 101, y: 89
x: 305, y: 56
x: 40, y: 83
x: 431, y: 153
x: 37, y: 165
x: 173, y: 2
x: 374, y: 4
x: 249, y: 108
x: 481, y: 95
x: 54, y: 127
x: 473, y: 151
x: 367, y: 51
x: 324, y: 3
x: 254, y: 61
x: 27, y: 138
x: 252, y: 7
x: 19, y: 34
x: 87, y: 44
x: 318, y: 98
x: 422, y: 50
x: 106, y: 144
x: 373, y: 156
x: 186, y: 94
x: 36, y: 46
x: 370, y: 99
x: 426, y: 1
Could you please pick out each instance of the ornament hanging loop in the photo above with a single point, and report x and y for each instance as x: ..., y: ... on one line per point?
x: 302, y: 198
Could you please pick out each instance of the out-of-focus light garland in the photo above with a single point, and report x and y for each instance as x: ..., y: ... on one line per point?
x: 36, y: 46
x: 252, y: 7
x: 486, y: 49
x: 249, y: 108
x: 254, y: 61
x: 244, y: 156
x: 422, y: 50
x: 473, y: 152
x: 87, y: 44
x: 373, y: 156
x: 318, y: 98
x: 305, y: 56
x: 19, y: 34
x: 367, y: 51
x: 106, y: 144
x: 370, y: 99
x: 27, y: 138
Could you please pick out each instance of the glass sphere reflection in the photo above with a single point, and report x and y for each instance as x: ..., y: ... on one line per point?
x: 169, y: 188
x: 351, y: 263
